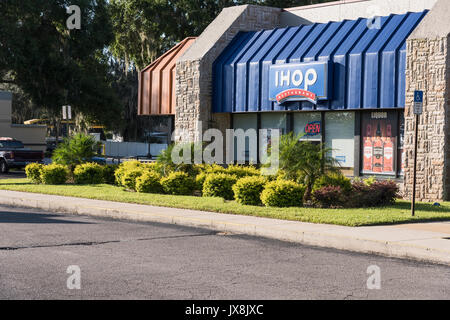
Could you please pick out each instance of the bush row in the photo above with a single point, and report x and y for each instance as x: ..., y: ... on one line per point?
x: 87, y: 173
x: 244, y: 184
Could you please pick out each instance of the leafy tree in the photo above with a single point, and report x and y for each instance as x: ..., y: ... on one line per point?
x: 75, y: 150
x: 56, y: 66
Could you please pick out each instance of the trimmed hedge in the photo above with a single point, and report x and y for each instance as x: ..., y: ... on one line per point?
x: 124, y: 167
x: 219, y: 185
x: 54, y: 174
x: 149, y: 183
x: 378, y: 193
x: 88, y: 173
x: 33, y: 172
x: 282, y: 193
x: 335, y: 180
x: 248, y: 190
x: 178, y: 183
x: 330, y: 197
x: 242, y: 171
x: 129, y: 177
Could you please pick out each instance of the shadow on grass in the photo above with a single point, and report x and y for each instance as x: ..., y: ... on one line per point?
x: 421, y: 207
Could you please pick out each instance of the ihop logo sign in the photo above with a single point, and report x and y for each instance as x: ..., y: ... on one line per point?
x: 299, y: 82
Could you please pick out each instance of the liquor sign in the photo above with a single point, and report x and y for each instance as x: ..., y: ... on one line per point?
x: 379, y: 133
x: 299, y: 82
x: 313, y: 128
x: 418, y: 102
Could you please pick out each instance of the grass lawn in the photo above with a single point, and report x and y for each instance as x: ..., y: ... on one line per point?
x: 398, y: 213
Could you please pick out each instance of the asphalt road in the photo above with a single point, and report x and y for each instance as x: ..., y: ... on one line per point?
x: 121, y: 260
x: 13, y: 174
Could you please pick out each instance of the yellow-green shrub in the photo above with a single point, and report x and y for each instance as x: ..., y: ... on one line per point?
x: 242, y: 171
x: 248, y: 190
x: 219, y: 185
x: 88, y: 173
x: 33, y: 171
x: 282, y: 193
x: 129, y: 177
x: 123, y: 167
x: 54, y: 174
x: 149, y: 183
x: 178, y: 183
x: 335, y: 180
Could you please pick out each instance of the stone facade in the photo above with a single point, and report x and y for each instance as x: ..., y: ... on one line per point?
x: 428, y: 69
x: 194, y: 68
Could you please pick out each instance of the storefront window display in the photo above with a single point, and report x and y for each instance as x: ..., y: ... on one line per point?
x: 339, y: 136
x: 309, y: 124
x: 379, y: 134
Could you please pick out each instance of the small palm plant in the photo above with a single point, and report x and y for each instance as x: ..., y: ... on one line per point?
x: 305, y: 162
x: 75, y: 150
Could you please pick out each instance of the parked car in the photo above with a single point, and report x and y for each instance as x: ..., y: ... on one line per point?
x: 13, y: 154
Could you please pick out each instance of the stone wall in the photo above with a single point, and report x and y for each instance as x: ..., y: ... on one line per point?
x: 194, y: 68
x: 428, y: 70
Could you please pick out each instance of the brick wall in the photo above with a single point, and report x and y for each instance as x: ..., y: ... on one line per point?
x: 428, y: 70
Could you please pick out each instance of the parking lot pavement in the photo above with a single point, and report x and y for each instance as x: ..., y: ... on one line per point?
x: 13, y: 174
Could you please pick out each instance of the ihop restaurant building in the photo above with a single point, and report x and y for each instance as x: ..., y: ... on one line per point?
x: 343, y: 73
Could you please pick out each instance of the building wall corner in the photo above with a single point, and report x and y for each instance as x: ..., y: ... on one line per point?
x: 194, y: 69
x: 428, y: 69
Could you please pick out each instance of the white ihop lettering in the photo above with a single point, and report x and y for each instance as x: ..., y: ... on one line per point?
x: 283, y: 78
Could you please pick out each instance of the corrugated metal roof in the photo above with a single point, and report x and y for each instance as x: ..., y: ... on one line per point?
x: 368, y: 64
x: 157, y: 82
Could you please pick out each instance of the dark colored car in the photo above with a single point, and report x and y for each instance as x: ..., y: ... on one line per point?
x: 14, y: 155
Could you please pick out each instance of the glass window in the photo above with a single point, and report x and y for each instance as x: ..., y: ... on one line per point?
x: 379, y: 132
x: 244, y: 122
x: 309, y: 123
x: 340, y: 137
x: 274, y: 121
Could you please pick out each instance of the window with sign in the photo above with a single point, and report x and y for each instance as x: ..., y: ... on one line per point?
x: 340, y: 137
x: 379, y: 135
x: 309, y: 124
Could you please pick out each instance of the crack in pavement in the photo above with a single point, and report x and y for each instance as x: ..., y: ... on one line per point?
x: 95, y: 243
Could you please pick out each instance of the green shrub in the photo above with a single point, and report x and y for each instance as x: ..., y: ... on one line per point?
x: 242, y: 171
x: 129, y: 177
x: 88, y: 173
x: 282, y: 193
x: 200, y: 180
x: 109, y: 173
x: 149, y: 183
x: 330, y: 196
x: 370, y: 181
x: 335, y: 180
x: 178, y: 183
x: 54, y: 174
x: 33, y: 171
x: 248, y: 190
x: 123, y: 167
x: 219, y: 185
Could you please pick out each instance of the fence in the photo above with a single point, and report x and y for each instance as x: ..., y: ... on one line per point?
x: 132, y: 149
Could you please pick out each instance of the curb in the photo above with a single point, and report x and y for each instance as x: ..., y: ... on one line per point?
x: 290, y: 231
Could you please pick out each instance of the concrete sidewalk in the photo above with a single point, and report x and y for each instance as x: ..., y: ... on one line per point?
x: 426, y: 241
